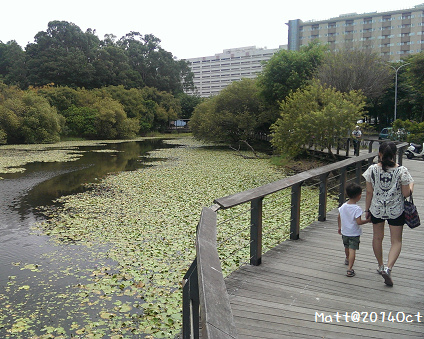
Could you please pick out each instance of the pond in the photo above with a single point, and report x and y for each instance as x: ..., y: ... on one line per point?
x: 108, y: 259
x: 24, y: 251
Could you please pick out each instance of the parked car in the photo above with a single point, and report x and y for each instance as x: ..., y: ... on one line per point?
x: 385, y: 133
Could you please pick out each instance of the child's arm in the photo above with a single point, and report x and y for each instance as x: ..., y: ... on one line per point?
x: 339, y: 222
x: 359, y: 221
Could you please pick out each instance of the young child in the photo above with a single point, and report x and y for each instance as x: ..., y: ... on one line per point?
x: 349, y: 220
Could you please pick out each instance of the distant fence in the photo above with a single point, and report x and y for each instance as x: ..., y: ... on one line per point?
x: 338, y: 144
x: 205, y: 299
x: 179, y: 126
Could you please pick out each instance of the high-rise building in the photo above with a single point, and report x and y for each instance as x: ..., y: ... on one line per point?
x: 393, y: 34
x: 213, y: 73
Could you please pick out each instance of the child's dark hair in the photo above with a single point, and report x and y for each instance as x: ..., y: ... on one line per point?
x: 388, y: 153
x: 353, y: 190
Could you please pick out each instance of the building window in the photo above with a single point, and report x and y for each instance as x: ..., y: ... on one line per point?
x: 368, y: 21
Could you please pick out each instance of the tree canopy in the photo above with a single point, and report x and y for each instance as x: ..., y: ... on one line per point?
x: 232, y: 116
x: 287, y: 71
x: 64, y: 55
x: 354, y: 69
x: 26, y: 117
x: 317, y: 114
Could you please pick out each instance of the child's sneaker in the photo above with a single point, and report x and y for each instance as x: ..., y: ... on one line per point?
x: 380, y: 269
x: 386, y: 273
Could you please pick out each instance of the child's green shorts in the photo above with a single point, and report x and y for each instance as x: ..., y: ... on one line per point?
x: 351, y: 242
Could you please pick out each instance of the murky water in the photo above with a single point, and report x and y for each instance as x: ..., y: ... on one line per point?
x: 39, y: 185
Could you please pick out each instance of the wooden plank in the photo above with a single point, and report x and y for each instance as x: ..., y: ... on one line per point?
x: 214, y: 301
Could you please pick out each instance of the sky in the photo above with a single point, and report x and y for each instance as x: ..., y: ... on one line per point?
x: 186, y: 28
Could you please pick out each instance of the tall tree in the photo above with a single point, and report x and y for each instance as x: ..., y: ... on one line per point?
x: 12, y: 64
x: 315, y: 113
x: 157, y: 67
x: 62, y: 55
x: 232, y: 116
x: 415, y: 78
x: 188, y: 104
x: 287, y: 71
x: 112, y: 68
x: 416, y: 71
x: 355, y: 69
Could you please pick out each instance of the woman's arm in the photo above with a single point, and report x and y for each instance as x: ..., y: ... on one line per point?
x: 339, y: 222
x: 368, y: 198
x: 407, y: 189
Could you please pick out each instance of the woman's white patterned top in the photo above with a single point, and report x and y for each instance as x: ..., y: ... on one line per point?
x: 387, y: 200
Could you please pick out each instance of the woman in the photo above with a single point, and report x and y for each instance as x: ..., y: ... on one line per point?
x: 387, y: 185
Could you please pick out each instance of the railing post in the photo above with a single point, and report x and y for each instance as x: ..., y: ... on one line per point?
x: 322, y: 209
x: 295, y: 212
x: 342, y: 189
x: 191, y: 303
x: 400, y: 156
x: 358, y: 172
x: 256, y: 232
x: 370, y: 146
x: 347, y: 146
x: 370, y: 161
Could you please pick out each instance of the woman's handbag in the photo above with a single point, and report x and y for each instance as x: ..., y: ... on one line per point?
x: 412, y: 218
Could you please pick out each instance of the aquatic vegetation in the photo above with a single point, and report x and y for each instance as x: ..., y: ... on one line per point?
x: 125, y: 245
x: 13, y: 157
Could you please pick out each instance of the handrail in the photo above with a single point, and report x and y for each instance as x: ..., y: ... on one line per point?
x: 257, y: 192
x: 205, y: 296
x: 216, y: 320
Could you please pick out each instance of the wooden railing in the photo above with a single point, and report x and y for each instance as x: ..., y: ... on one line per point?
x: 345, y: 145
x: 205, y: 298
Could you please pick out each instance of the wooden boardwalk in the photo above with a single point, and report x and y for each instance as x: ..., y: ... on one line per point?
x: 300, y: 290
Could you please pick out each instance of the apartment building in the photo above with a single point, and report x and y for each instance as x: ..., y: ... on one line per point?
x: 214, y: 73
x: 394, y: 34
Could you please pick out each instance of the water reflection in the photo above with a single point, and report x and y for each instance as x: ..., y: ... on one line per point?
x: 43, y: 182
x: 59, y: 179
x: 39, y: 185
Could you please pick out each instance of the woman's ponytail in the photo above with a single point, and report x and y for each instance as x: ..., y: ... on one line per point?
x: 388, y: 153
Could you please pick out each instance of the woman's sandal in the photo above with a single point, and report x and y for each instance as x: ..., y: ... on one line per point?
x: 350, y: 273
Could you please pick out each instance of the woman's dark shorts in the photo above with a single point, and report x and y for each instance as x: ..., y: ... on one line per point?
x: 399, y: 221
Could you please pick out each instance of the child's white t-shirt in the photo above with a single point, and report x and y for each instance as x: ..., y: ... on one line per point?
x: 348, y: 215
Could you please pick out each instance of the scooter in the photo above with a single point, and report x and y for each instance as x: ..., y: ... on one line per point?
x: 414, y: 150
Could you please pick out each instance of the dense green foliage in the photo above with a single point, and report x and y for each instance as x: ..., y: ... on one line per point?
x: 64, y: 55
x: 27, y: 118
x: 44, y: 114
x: 352, y: 69
x: 316, y: 113
x: 413, y: 131
x: 111, y: 88
x: 410, y: 94
x: 12, y: 64
x: 79, y: 73
x: 288, y: 70
x: 234, y: 115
